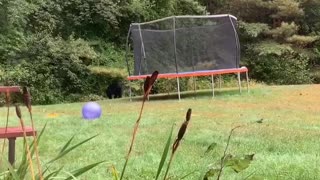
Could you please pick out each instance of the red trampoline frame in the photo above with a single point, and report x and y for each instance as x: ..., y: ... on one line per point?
x: 197, y: 74
x: 194, y: 74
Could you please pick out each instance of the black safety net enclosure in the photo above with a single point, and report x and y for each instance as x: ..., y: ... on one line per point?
x: 185, y: 44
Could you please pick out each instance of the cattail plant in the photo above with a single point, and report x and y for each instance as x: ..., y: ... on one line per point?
x: 26, y: 98
x: 176, y: 143
x: 27, y: 102
x: 18, y: 113
x: 148, y: 83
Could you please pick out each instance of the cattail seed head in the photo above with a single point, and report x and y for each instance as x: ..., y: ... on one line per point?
x: 26, y: 97
x: 18, y: 111
x: 188, y: 115
x: 7, y: 98
x: 153, y: 78
x: 184, y: 126
x: 148, y: 83
x: 182, y: 130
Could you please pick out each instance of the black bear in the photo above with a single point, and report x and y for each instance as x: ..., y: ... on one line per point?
x: 114, y: 90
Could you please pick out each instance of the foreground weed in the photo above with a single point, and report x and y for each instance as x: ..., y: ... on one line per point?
x: 148, y: 83
x: 236, y: 163
x: 21, y: 171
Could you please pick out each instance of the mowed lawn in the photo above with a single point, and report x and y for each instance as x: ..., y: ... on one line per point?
x: 286, y: 144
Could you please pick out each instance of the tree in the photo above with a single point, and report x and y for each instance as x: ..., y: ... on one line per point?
x: 272, y: 31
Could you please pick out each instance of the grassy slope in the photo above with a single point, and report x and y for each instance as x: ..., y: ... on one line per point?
x: 286, y: 144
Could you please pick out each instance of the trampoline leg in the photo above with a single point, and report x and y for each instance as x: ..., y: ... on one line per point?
x: 220, y: 81
x: 194, y: 87
x: 130, y: 91
x: 239, y: 82
x: 178, y: 85
x: 212, y: 86
x: 247, y: 76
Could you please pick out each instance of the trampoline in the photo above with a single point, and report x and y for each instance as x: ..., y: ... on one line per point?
x: 185, y: 46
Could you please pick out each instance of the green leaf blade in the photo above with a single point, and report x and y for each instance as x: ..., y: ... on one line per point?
x: 165, y: 153
x: 67, y: 144
x: 82, y: 170
x: 210, y: 173
x: 65, y: 152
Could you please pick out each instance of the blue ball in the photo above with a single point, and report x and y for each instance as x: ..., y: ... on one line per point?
x: 91, y: 110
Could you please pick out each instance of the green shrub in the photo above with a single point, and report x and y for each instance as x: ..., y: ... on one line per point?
x: 187, y: 84
x: 109, y: 55
x: 53, y: 68
x: 276, y: 63
x: 56, y: 71
x: 167, y: 85
x: 83, y: 98
x: 42, y: 86
x: 315, y: 74
x: 289, y: 68
x: 101, y: 77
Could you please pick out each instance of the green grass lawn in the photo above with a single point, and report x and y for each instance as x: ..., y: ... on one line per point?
x: 286, y: 145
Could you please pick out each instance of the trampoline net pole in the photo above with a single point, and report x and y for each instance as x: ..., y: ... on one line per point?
x: 237, y: 42
x: 143, y: 53
x: 127, y: 61
x: 175, y: 54
x: 127, y: 50
x: 193, y: 70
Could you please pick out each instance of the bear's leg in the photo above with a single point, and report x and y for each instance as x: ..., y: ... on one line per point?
x: 118, y: 91
x: 109, y: 93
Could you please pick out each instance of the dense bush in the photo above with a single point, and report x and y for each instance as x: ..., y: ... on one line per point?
x: 109, y: 55
x: 52, y: 67
x: 100, y: 78
x: 315, y: 74
x: 186, y: 84
x: 289, y: 68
